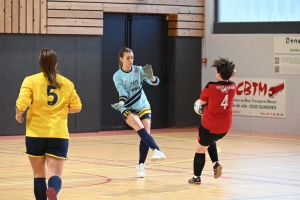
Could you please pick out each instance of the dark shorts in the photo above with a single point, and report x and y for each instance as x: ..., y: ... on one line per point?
x: 39, y: 147
x: 143, y: 114
x: 205, y: 137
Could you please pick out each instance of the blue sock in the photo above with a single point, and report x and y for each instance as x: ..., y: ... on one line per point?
x: 147, y: 139
x: 143, y: 152
x: 40, y: 188
x: 55, y: 183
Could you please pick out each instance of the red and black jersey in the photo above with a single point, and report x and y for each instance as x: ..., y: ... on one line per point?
x: 217, y: 117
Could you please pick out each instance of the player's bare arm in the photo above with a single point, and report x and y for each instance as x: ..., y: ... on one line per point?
x: 203, y: 102
x: 19, y: 117
x: 72, y: 110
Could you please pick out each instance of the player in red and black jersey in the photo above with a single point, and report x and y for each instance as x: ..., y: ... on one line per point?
x: 217, y: 117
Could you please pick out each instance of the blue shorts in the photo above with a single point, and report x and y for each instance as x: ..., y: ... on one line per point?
x: 143, y: 114
x: 40, y: 147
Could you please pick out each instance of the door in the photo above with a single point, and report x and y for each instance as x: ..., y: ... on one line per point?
x: 146, y: 35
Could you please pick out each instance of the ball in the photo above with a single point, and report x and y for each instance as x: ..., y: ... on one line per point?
x: 198, y: 107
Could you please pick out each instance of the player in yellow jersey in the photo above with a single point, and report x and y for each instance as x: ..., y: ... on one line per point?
x: 49, y: 98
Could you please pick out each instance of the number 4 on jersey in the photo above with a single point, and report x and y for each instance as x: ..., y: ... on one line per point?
x: 225, y: 102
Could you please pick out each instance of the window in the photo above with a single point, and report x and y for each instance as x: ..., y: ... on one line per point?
x: 257, y: 16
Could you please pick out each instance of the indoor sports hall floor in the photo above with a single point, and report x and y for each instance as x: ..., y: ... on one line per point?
x: 102, y: 166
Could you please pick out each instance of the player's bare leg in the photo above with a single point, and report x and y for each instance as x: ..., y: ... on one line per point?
x: 135, y: 122
x: 55, y: 169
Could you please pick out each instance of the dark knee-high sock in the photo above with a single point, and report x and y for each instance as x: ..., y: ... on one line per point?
x: 143, y: 151
x: 55, y: 183
x: 199, y: 162
x: 40, y: 188
x: 213, y: 152
x: 147, y: 138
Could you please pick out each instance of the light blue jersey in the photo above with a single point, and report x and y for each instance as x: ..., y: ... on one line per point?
x: 129, y: 85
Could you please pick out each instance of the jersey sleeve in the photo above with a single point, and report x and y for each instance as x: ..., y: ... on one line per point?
x: 123, y: 93
x: 75, y: 102
x: 147, y: 79
x: 204, y: 96
x: 152, y: 83
x: 25, y: 96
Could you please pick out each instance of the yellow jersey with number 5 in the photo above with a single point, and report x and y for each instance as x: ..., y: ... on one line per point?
x: 47, y: 115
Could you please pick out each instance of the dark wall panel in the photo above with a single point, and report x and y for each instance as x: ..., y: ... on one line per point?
x: 171, y: 81
x: 16, y: 62
x: 88, y: 82
x: 187, y: 81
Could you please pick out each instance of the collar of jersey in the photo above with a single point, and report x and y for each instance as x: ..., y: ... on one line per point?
x: 128, y: 71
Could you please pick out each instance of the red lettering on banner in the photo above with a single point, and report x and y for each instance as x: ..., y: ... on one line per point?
x: 251, y: 88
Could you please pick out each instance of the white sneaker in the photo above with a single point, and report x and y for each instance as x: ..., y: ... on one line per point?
x: 140, y: 170
x: 157, y: 155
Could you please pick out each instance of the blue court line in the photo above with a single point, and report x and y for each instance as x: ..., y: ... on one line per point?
x: 267, y: 197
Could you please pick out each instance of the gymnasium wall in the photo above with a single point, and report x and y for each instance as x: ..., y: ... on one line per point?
x: 253, y: 55
x: 185, y: 17
x: 74, y: 29
x: 79, y: 59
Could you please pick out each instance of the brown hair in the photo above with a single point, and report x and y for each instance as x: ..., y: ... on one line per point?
x: 48, y: 62
x: 121, y: 54
x: 224, y: 67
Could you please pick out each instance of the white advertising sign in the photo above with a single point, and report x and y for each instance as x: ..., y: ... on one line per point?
x: 260, y: 97
x: 287, y: 55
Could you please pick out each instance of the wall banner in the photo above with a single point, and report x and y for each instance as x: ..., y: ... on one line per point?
x: 260, y: 97
x: 287, y: 55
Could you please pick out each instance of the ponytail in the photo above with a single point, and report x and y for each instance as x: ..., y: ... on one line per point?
x: 48, y: 62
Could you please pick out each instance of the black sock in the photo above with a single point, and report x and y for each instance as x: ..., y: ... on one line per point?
x: 55, y: 183
x: 213, y: 152
x: 40, y: 188
x: 147, y: 138
x: 143, y: 152
x: 199, y: 162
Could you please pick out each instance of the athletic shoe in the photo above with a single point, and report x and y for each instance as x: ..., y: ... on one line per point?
x: 217, y: 170
x: 140, y: 170
x: 195, y: 180
x: 157, y: 155
x: 51, y: 194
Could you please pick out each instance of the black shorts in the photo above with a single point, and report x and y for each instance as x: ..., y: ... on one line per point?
x: 39, y: 147
x: 205, y: 137
x: 143, y: 114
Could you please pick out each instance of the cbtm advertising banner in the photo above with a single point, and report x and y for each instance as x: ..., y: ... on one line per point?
x: 260, y: 97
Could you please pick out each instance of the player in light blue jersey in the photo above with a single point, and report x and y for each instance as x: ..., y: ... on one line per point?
x: 134, y: 106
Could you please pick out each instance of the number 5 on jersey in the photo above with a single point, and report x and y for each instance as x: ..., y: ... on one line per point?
x: 54, y: 95
x: 225, y: 101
